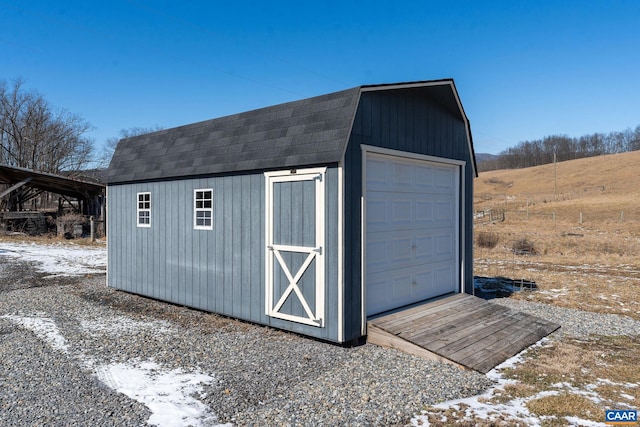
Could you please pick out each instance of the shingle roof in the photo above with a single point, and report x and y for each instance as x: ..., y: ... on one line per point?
x: 306, y: 132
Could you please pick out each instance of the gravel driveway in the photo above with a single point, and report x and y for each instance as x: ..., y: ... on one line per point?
x: 66, y: 344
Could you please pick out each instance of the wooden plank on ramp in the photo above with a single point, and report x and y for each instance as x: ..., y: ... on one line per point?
x: 460, y: 329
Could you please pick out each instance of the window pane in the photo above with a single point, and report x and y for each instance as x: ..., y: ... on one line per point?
x: 203, y: 205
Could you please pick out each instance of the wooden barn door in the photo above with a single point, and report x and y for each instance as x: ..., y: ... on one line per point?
x: 295, y: 245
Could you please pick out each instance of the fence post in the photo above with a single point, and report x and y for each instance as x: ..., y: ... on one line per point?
x: 92, y: 227
x: 580, y: 217
x: 621, y: 216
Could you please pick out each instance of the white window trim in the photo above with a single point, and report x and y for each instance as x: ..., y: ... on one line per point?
x: 196, y: 210
x: 138, y: 210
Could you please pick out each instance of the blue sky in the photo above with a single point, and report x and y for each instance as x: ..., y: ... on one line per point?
x: 524, y: 69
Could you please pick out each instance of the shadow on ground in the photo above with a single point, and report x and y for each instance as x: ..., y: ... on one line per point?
x: 500, y: 287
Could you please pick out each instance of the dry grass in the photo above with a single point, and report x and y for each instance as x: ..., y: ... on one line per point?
x: 565, y: 405
x: 49, y: 239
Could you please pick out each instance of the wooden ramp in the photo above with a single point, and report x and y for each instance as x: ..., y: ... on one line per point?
x: 459, y: 329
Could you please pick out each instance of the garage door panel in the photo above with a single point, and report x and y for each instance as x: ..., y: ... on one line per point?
x: 376, y: 288
x: 407, y: 175
x: 444, y: 245
x: 392, y: 250
x: 387, y: 251
x: 393, y: 211
x: 444, y: 209
x: 411, y: 231
x: 424, y: 210
x: 377, y: 212
x: 408, y: 286
x: 377, y: 173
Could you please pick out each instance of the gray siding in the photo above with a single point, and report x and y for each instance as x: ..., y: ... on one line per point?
x: 220, y: 270
x: 406, y: 120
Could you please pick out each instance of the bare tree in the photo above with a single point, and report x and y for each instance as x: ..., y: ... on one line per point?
x: 36, y: 136
x: 111, y: 143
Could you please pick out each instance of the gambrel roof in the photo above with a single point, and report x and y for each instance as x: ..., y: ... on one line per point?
x: 306, y: 132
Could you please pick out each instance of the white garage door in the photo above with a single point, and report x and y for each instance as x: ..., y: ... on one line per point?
x: 411, y: 231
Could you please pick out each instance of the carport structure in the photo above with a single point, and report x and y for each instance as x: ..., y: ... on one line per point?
x: 23, y: 185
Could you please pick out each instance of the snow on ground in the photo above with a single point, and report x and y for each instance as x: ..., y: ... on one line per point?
x: 168, y: 393
x: 59, y: 259
x: 515, y: 410
x: 44, y: 328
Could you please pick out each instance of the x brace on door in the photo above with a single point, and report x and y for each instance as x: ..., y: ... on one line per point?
x: 293, y: 281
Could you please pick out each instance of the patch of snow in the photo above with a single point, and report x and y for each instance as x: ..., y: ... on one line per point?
x: 44, y: 328
x: 59, y: 259
x: 627, y: 396
x: 167, y: 393
x: 586, y: 392
x: 609, y: 382
x: 575, y: 421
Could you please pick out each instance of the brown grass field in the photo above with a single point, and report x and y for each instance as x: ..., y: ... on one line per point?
x: 593, y: 265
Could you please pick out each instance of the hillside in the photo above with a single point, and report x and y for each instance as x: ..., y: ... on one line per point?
x: 605, y: 189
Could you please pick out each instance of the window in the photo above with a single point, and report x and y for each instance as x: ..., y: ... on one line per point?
x: 144, y: 209
x: 203, y: 209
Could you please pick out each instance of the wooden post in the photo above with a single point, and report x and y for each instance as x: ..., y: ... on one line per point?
x: 621, y: 216
x: 92, y: 227
x: 580, y: 217
x: 527, y: 208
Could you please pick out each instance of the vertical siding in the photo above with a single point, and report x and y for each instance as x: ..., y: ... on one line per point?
x: 407, y: 120
x: 220, y: 270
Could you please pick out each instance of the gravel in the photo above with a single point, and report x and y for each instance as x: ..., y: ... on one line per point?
x: 576, y: 323
x: 260, y: 376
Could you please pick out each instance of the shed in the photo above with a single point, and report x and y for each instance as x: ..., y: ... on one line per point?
x: 309, y: 216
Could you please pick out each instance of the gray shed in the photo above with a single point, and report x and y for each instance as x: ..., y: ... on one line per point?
x: 308, y: 216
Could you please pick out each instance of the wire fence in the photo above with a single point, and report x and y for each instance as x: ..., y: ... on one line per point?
x: 489, y: 216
